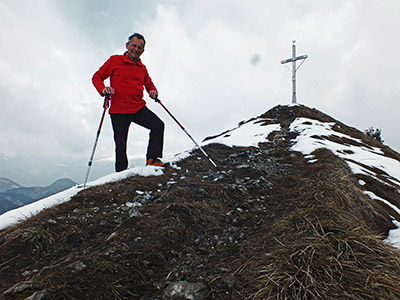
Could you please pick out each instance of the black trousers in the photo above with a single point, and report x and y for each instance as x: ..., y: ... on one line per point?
x: 146, y: 118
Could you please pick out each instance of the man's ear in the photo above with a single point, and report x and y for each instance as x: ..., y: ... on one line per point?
x: 127, y: 44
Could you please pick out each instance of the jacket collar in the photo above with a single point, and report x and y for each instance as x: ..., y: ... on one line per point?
x: 128, y: 60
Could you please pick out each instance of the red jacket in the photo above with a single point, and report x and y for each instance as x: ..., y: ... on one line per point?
x: 128, y: 79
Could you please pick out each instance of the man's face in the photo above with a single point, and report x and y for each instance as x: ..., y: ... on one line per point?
x: 135, y: 47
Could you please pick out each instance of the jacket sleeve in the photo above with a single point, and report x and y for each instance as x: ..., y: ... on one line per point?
x: 102, y: 74
x: 148, y: 83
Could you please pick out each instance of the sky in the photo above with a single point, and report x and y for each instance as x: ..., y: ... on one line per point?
x: 214, y: 63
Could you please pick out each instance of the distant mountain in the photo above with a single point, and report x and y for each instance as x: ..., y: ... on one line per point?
x: 42, y: 192
x: 7, y: 184
x: 9, y: 201
x: 17, y: 196
x: 40, y: 170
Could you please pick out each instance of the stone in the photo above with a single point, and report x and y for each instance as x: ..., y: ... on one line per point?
x: 184, y: 290
x: 39, y: 295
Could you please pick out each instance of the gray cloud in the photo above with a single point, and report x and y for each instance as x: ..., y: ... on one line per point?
x: 215, y: 63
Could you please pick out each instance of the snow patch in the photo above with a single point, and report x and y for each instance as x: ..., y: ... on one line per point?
x: 394, y: 235
x: 250, y: 134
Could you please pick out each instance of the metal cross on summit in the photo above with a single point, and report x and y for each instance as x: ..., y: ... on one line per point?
x: 293, y: 60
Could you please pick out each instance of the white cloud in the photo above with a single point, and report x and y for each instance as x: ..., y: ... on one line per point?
x: 199, y: 54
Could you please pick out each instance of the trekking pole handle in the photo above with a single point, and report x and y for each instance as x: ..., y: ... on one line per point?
x: 107, y: 98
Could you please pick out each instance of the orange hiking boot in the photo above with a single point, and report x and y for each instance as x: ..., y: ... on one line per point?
x: 156, y: 162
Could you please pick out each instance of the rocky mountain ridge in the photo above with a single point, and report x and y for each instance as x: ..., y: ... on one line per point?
x: 273, y: 224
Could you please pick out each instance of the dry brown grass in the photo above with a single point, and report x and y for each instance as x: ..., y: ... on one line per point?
x: 328, y: 247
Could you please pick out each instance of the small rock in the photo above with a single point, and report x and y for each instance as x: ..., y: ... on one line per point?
x: 77, y: 266
x: 184, y: 290
x: 119, y: 220
x: 39, y: 295
x: 134, y: 212
x: 143, y: 198
x: 111, y: 236
x: 229, y: 281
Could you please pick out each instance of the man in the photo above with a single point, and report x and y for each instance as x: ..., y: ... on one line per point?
x: 128, y: 78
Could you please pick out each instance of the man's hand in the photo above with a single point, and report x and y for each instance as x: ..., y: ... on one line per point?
x: 153, y: 94
x: 108, y: 90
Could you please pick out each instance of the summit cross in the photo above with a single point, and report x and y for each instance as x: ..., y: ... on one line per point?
x: 293, y: 60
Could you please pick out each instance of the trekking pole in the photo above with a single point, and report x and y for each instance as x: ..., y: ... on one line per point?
x: 187, y: 133
x: 105, y: 106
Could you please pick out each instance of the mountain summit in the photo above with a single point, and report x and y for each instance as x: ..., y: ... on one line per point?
x: 301, y: 209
